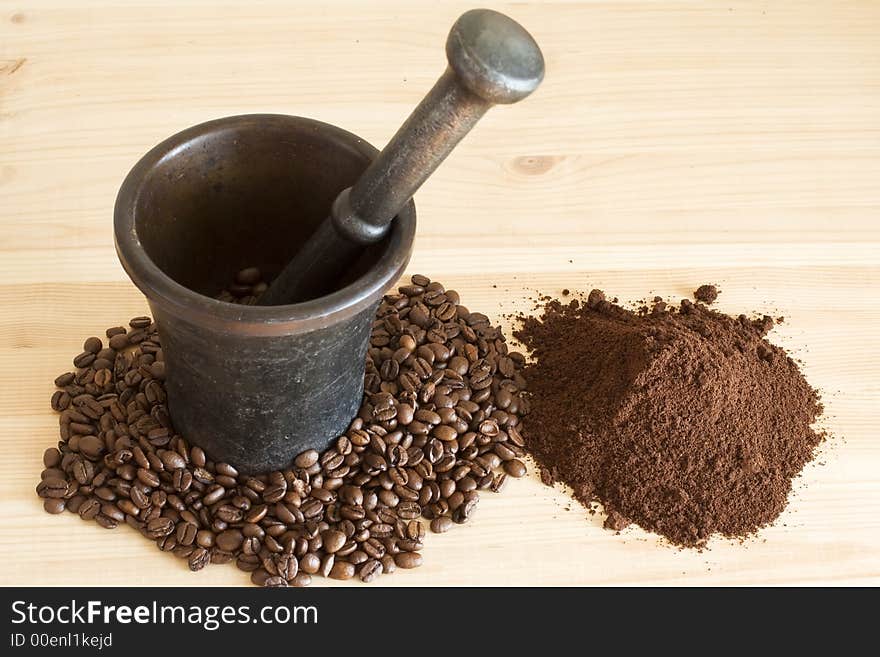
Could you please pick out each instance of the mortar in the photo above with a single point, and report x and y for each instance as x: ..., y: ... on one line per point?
x: 253, y: 385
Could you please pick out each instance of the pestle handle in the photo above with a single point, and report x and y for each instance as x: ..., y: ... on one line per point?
x: 492, y: 60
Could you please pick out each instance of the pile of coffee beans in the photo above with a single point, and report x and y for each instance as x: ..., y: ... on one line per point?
x: 246, y: 289
x: 438, y: 424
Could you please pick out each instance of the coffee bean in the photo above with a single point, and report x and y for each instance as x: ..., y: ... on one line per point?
x: 52, y: 458
x: 409, y: 510
x: 90, y: 509
x: 172, y: 460
x: 53, y: 505
x: 370, y: 570
x: 260, y: 576
x: 159, y: 527
x: 229, y: 540
x: 74, y: 503
x: 441, y: 525
x: 139, y: 498
x: 198, y: 559
x: 301, y: 580
x: 342, y: 570
x: 85, y: 359
x: 91, y: 447
x: 498, y: 482
x: 186, y: 533
x: 93, y: 345
x: 148, y: 477
x: 112, y: 511
x: 306, y: 459
x: 408, y: 560
x: 214, y: 494
x: 119, y: 341
x: 333, y: 540
x: 327, y: 564
x: 250, y: 276
x: 310, y: 563
x: 106, y: 522
x: 60, y: 400
x: 463, y: 512
x: 515, y: 468
x: 205, y: 538
x: 52, y: 488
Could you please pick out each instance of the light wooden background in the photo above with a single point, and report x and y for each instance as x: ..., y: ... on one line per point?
x: 673, y: 143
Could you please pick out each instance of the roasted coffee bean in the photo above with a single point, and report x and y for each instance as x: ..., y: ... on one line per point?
x: 60, y: 400
x: 52, y: 488
x: 260, y: 576
x: 74, y: 503
x: 127, y: 506
x: 332, y: 540
x: 415, y: 530
x: 515, y: 468
x: 229, y: 540
x: 65, y: 379
x: 409, y: 510
x: 301, y: 580
x: 310, y: 563
x: 276, y: 581
x: 186, y: 533
x: 91, y: 447
x: 498, y: 482
x: 148, y: 477
x: 228, y: 513
x: 307, y: 459
x: 408, y: 560
x: 53, y: 505
x: 370, y: 570
x: 182, y: 480
x: 388, y: 565
x: 159, y: 527
x: 106, y: 522
x: 275, y: 492
x: 342, y: 570
x: 90, y: 509
x: 198, y: 559
x: 112, y: 511
x: 441, y: 525
x: 214, y: 494
x: 327, y: 563
x: 53, y: 473
x: 139, y: 498
x: 205, y: 538
x: 463, y: 512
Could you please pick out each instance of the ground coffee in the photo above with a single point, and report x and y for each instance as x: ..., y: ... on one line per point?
x: 437, y: 425
x: 686, y: 422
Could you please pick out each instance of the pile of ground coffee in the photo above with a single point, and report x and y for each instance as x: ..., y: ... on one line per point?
x: 438, y: 424
x: 684, y: 421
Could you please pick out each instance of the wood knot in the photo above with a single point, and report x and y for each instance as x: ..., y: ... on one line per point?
x: 534, y: 165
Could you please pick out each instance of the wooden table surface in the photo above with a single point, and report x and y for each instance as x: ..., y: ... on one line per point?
x: 672, y: 144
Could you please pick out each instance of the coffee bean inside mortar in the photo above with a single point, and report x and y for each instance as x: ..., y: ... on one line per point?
x: 440, y: 414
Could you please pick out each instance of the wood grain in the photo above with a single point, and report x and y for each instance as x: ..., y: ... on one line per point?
x: 673, y: 143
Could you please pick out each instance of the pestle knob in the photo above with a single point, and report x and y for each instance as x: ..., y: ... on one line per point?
x: 492, y: 60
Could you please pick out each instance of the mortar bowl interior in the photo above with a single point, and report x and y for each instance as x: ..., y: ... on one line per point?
x: 246, y: 191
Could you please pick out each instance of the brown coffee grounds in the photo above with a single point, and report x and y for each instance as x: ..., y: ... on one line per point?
x: 687, y: 422
x: 706, y: 293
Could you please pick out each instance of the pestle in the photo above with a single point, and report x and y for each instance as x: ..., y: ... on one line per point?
x: 492, y: 60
